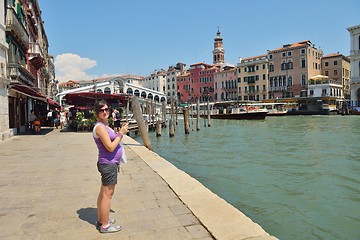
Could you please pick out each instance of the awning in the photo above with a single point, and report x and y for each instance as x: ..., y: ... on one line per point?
x: 89, y: 98
x: 53, y: 103
x: 27, y: 91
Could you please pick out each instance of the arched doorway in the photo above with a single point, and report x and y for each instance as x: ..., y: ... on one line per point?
x: 129, y: 91
x: 137, y: 93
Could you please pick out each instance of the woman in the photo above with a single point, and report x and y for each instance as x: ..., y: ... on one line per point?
x: 62, y: 119
x: 108, y: 143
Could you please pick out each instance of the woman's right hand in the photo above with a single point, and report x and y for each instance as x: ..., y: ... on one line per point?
x: 124, y: 128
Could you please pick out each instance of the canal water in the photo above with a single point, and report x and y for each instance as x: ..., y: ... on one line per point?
x: 296, y: 176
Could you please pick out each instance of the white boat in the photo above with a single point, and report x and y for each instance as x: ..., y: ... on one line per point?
x: 274, y: 109
x: 229, y: 110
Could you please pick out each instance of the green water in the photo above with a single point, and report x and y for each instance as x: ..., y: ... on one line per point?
x: 296, y: 176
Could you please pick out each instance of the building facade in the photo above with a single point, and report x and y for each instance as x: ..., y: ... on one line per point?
x: 171, y: 80
x: 4, y: 81
x: 290, y: 67
x: 355, y: 65
x: 252, y: 78
x: 26, y: 67
x: 337, y: 67
x: 225, y: 87
x: 202, y: 81
x: 156, y: 81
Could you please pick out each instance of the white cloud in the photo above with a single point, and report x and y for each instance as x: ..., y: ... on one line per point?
x: 69, y: 66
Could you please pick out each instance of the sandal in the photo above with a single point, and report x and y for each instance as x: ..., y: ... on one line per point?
x: 98, y: 224
x: 110, y: 229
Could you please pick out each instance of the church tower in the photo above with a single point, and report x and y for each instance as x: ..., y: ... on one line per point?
x: 218, y: 53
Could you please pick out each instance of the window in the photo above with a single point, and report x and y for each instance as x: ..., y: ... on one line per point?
x: 264, y: 66
x: 335, y: 72
x: 302, y: 51
x: 303, y: 80
x: 271, y: 56
x: 289, y: 54
x: 271, y: 68
x: 335, y: 63
x: 326, y: 64
x: 290, y: 81
x: 303, y: 63
x: 264, y: 76
x: 290, y: 65
x: 311, y: 92
x: 326, y: 73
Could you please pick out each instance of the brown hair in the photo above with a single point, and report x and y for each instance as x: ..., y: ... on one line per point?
x: 98, y: 105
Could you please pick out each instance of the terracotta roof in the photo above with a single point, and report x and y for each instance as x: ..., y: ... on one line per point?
x: 293, y: 45
x: 332, y: 55
x: 254, y: 57
x: 201, y: 63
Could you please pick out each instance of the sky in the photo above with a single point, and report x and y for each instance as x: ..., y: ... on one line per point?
x: 92, y: 38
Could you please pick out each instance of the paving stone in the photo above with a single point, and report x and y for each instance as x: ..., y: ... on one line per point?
x: 49, y: 186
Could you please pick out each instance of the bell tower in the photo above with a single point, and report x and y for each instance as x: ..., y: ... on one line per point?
x: 218, y: 53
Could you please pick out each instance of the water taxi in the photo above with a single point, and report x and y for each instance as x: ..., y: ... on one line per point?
x: 273, y: 108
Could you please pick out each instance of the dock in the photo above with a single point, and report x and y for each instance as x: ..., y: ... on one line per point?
x: 49, y: 185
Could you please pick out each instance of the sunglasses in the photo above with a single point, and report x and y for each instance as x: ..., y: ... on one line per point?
x: 104, y: 110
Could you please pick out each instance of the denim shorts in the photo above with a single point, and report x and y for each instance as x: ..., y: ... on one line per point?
x: 109, y: 173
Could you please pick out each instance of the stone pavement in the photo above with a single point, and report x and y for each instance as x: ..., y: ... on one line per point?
x: 49, y: 185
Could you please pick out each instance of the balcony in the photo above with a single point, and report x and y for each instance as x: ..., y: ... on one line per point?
x: 14, y: 26
x: 19, y: 74
x: 274, y: 89
x: 36, y: 55
x: 353, y: 52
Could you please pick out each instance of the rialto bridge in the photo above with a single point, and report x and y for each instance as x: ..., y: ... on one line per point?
x: 114, y: 85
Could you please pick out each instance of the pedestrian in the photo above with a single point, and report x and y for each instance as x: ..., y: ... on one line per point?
x: 62, y: 119
x: 49, y: 118
x: 32, y: 118
x: 55, y: 117
x: 109, y: 155
x: 116, y: 119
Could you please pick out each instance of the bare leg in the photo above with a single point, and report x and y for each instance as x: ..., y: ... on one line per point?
x: 104, y: 202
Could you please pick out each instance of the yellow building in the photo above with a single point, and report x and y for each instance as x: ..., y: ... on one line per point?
x: 252, y: 78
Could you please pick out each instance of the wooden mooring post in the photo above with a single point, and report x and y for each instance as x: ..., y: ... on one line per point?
x: 198, y: 114
x: 164, y: 113
x: 186, y: 120
x: 136, y: 109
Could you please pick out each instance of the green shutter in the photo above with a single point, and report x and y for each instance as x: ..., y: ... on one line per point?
x: 19, y: 10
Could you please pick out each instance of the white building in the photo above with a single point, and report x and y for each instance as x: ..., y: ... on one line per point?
x: 324, y: 88
x: 156, y: 81
x: 5, y: 132
x: 171, y: 83
x: 355, y: 65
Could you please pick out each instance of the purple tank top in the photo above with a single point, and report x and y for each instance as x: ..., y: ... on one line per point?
x: 106, y: 157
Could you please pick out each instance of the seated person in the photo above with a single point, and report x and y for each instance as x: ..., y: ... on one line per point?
x: 37, y: 125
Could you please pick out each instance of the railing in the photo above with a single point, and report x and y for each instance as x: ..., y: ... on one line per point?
x: 14, y: 25
x: 18, y: 74
x: 354, y: 52
x: 282, y: 88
